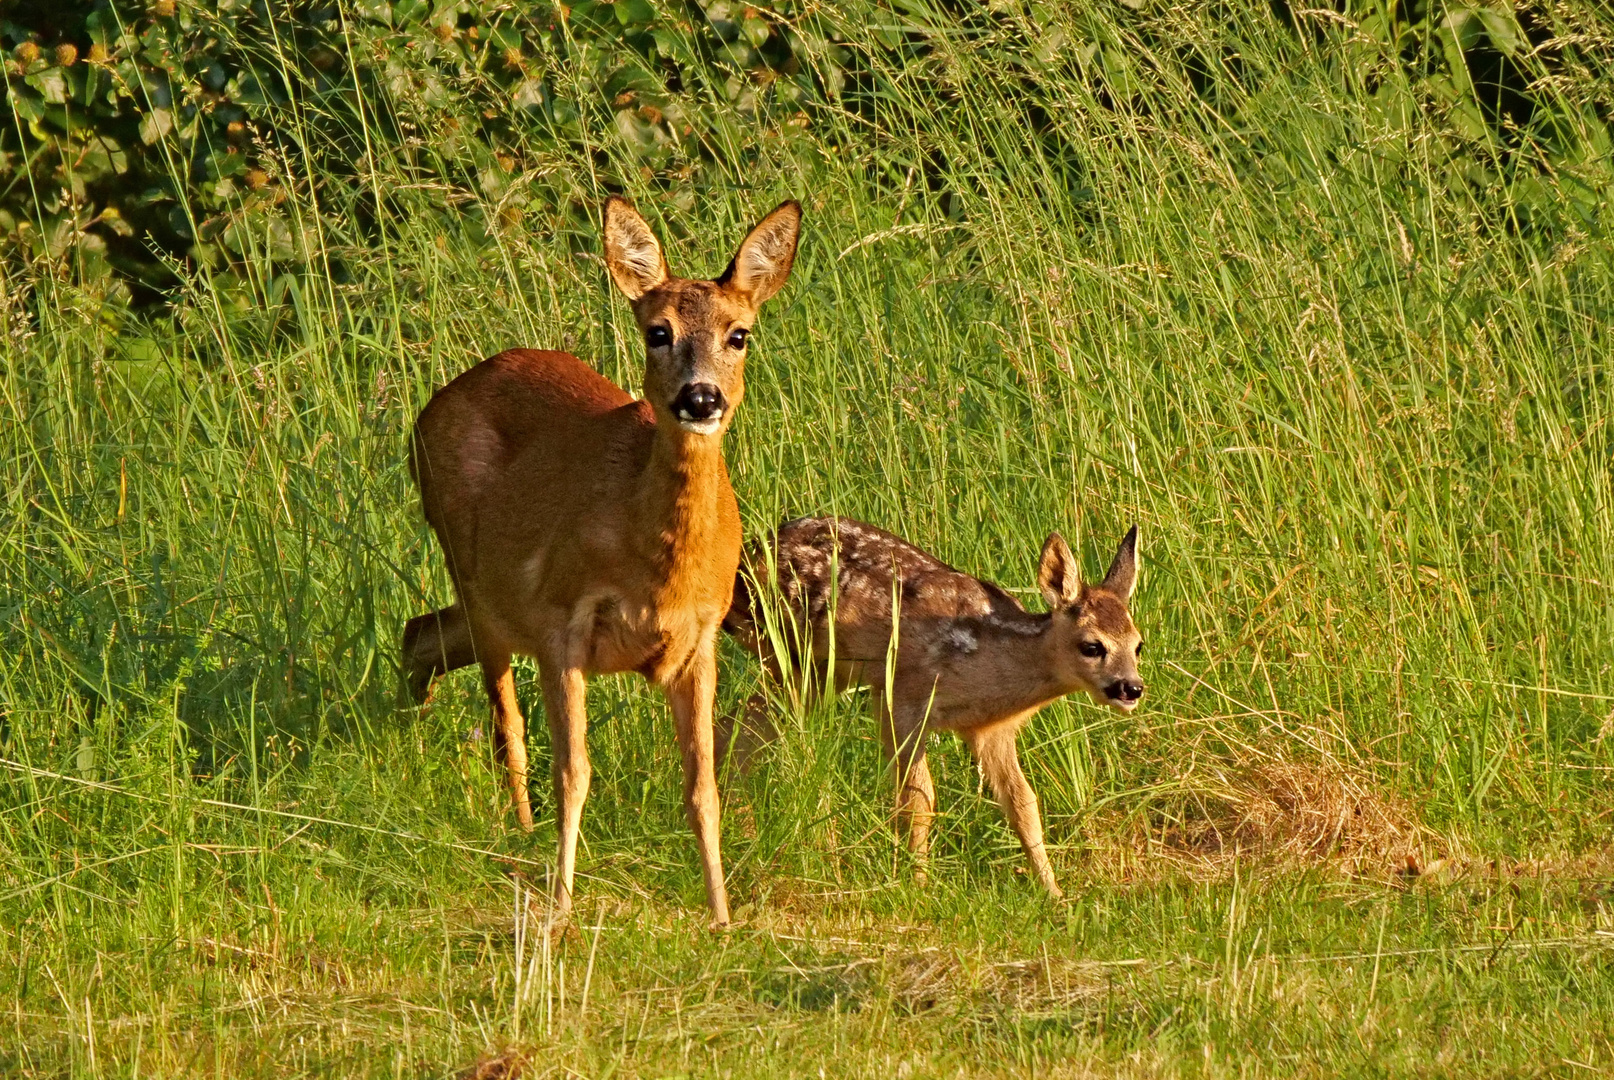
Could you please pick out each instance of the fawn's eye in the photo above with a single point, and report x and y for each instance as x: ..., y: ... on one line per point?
x: 658, y: 337
x: 1139, y: 651
x: 737, y: 338
x: 1094, y: 649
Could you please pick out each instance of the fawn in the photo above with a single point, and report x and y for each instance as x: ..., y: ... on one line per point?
x: 594, y: 532
x: 939, y: 650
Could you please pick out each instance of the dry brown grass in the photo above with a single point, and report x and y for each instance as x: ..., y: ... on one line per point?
x: 1280, y: 811
x: 505, y: 1065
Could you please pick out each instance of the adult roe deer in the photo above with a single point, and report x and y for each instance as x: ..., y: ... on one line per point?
x: 594, y: 532
x: 964, y: 655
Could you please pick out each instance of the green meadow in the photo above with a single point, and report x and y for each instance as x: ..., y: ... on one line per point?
x: 1304, y: 296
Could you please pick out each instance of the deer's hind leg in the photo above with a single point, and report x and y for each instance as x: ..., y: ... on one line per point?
x: 902, y: 737
x: 509, y: 731
x: 434, y: 644
x: 995, y: 749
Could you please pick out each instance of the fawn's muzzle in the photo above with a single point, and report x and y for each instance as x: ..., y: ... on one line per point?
x: 1124, y: 690
x: 699, y: 406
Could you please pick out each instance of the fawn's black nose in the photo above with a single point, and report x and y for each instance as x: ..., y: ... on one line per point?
x: 699, y: 403
x: 1124, y: 690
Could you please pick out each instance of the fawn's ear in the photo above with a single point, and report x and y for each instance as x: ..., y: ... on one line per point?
x: 1123, y: 573
x: 631, y: 252
x: 1057, y: 575
x: 762, y: 265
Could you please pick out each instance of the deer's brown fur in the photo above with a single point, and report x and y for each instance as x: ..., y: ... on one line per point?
x: 966, y: 658
x: 594, y: 532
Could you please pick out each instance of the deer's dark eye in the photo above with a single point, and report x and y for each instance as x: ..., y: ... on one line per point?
x: 1140, y: 649
x: 658, y: 337
x: 737, y: 338
x: 1094, y: 649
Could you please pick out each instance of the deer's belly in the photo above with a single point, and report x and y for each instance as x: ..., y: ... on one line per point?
x: 622, y: 638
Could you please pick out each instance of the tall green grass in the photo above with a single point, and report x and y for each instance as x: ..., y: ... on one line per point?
x: 1347, y: 375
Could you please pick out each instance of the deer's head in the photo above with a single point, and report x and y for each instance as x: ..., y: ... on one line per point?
x: 695, y: 332
x: 1095, y: 643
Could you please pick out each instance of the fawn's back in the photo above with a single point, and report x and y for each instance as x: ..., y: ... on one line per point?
x: 851, y: 573
x: 963, y: 648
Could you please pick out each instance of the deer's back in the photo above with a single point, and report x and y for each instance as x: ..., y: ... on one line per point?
x: 519, y: 442
x: 851, y: 572
x: 487, y: 416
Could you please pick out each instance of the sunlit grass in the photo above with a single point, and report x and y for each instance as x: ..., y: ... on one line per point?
x: 1358, y: 412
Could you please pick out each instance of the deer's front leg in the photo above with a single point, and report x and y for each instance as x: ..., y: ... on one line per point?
x: 995, y: 749
x: 690, y: 694
x: 564, y: 705
x: 739, y: 739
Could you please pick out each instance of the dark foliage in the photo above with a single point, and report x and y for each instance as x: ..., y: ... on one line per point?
x: 146, y: 143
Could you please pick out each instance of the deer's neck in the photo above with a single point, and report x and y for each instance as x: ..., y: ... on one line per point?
x: 684, y: 493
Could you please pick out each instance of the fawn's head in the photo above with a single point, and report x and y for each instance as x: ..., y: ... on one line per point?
x: 1095, y: 643
x: 695, y: 331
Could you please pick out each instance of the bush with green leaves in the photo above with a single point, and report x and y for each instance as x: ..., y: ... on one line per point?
x: 180, y: 141
x: 151, y: 142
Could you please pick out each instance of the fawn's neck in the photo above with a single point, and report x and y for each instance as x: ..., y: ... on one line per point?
x: 1012, y: 670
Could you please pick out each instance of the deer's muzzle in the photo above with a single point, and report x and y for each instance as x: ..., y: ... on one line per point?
x: 1124, y: 692
x: 699, y: 407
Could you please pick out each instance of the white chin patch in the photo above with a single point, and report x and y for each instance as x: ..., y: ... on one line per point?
x: 700, y: 427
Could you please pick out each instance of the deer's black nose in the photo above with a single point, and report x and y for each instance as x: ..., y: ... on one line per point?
x: 1124, y: 690
x: 699, y: 402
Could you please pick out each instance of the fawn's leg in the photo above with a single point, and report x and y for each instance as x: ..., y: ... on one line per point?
x: 690, y: 694
x: 903, y: 739
x: 433, y: 644
x: 565, y: 691
x: 509, y: 731
x: 994, y: 748
x: 746, y: 735
x: 739, y: 739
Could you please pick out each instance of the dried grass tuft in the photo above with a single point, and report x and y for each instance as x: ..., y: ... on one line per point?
x: 1273, y: 810
x: 505, y: 1065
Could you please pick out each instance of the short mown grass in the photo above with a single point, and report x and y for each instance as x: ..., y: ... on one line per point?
x: 1348, y: 373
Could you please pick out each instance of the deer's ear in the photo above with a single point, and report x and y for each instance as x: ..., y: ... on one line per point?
x: 631, y: 252
x: 1057, y: 575
x: 762, y: 264
x: 1123, y: 572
